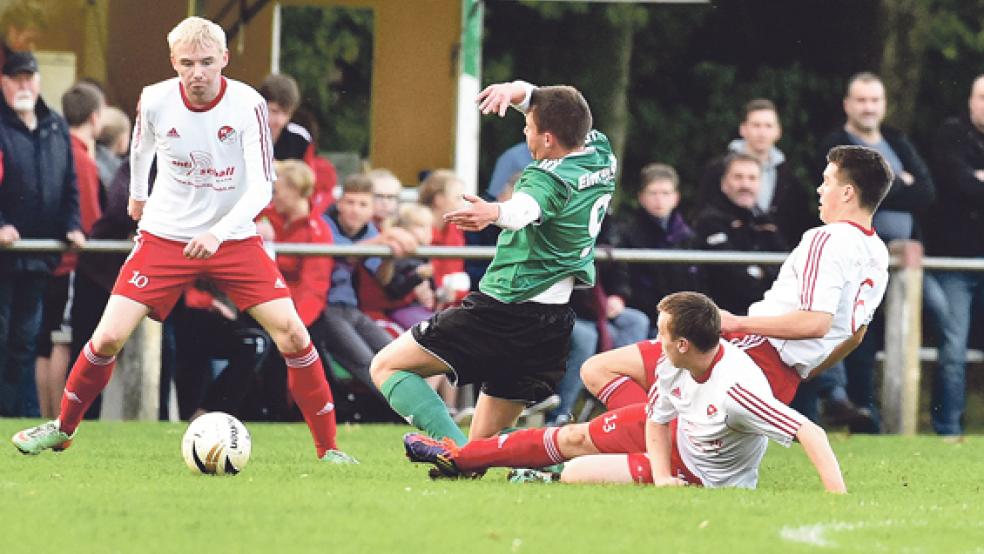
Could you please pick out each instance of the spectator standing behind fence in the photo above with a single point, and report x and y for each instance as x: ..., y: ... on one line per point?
x: 39, y: 199
x: 112, y: 144
x: 733, y: 221
x: 781, y: 194
x: 958, y: 162
x: 294, y: 142
x: 82, y: 106
x: 911, y: 193
x: 656, y: 224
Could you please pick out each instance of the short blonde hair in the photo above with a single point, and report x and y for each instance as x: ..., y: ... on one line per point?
x: 297, y: 175
x: 381, y: 175
x: 438, y: 182
x: 413, y: 213
x: 115, y: 124
x: 197, y: 30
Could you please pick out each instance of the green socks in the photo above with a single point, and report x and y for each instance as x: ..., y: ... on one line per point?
x: 411, y: 397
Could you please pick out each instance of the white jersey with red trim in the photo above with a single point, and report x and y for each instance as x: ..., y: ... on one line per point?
x: 725, y: 420
x: 214, y: 162
x: 841, y: 269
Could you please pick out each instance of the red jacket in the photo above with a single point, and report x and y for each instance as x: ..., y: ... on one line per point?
x: 450, y: 235
x: 87, y: 176
x: 308, y: 277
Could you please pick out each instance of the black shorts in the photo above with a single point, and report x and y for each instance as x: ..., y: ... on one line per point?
x: 53, y: 312
x: 517, y: 351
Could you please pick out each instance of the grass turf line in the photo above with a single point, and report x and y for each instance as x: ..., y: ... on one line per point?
x: 123, y: 487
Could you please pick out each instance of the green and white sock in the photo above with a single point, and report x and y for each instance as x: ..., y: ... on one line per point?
x: 411, y: 397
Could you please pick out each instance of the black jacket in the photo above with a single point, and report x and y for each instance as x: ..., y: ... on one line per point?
x: 38, y: 194
x: 956, y: 227
x: 793, y: 206
x: 914, y: 198
x: 723, y: 225
x: 643, y: 285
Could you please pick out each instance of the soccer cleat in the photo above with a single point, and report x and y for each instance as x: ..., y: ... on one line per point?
x: 423, y: 449
x: 47, y: 435
x: 338, y: 457
x: 524, y: 475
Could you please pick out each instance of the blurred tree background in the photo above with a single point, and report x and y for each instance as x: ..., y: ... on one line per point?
x: 667, y: 81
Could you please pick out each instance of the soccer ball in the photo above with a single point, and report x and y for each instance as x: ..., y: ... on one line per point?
x: 216, y: 444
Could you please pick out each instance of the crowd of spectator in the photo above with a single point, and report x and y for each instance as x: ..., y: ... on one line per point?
x: 66, y: 177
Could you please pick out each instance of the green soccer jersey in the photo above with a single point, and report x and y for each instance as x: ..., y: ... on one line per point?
x: 573, y: 193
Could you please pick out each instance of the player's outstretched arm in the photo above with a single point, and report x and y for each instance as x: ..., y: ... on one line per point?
x: 817, y: 447
x: 801, y: 324
x: 658, y: 449
x: 498, y: 97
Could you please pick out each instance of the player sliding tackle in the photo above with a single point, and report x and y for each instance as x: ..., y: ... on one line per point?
x: 818, y: 308
x: 214, y: 173
x: 513, y: 336
x: 708, y: 420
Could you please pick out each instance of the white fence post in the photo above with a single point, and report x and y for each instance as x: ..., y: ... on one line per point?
x: 903, y: 336
x: 133, y: 391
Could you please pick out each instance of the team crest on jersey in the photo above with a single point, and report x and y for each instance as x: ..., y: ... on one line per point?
x: 711, y: 410
x: 676, y: 392
x: 226, y: 134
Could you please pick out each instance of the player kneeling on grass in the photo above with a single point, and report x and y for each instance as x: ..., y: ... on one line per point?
x: 708, y: 420
x: 214, y: 173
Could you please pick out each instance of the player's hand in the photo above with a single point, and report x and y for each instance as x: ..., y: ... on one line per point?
x: 498, y: 97
x: 479, y: 215
x: 135, y: 209
x: 669, y: 481
x: 614, y: 306
x: 201, y: 247
x: 75, y: 238
x: 425, y: 271
x: 8, y: 235
x: 730, y: 323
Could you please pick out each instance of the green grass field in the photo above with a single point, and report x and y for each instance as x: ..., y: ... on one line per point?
x: 123, y: 487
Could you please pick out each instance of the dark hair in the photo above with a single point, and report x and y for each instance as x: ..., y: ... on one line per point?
x: 734, y: 157
x: 562, y: 111
x: 658, y: 172
x: 281, y: 89
x: 863, y: 77
x: 866, y: 169
x: 80, y: 102
x: 759, y: 104
x: 357, y: 183
x: 695, y: 317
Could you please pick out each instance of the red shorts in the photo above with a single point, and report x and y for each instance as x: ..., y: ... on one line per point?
x: 623, y: 431
x: 783, y: 379
x: 156, y: 273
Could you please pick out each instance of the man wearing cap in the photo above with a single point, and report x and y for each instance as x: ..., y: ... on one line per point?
x: 39, y: 199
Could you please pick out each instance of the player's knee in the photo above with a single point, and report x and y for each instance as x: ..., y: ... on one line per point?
x: 575, y: 440
x: 108, y: 342
x: 595, y: 373
x: 290, y: 335
x: 380, y: 368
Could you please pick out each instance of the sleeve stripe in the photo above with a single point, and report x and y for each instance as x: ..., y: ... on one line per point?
x: 812, y: 269
x: 763, y: 410
x: 264, y: 140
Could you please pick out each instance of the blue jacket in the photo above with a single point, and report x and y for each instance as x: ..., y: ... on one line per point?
x: 38, y: 193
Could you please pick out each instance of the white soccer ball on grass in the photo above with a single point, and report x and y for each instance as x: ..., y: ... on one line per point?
x: 216, y: 443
